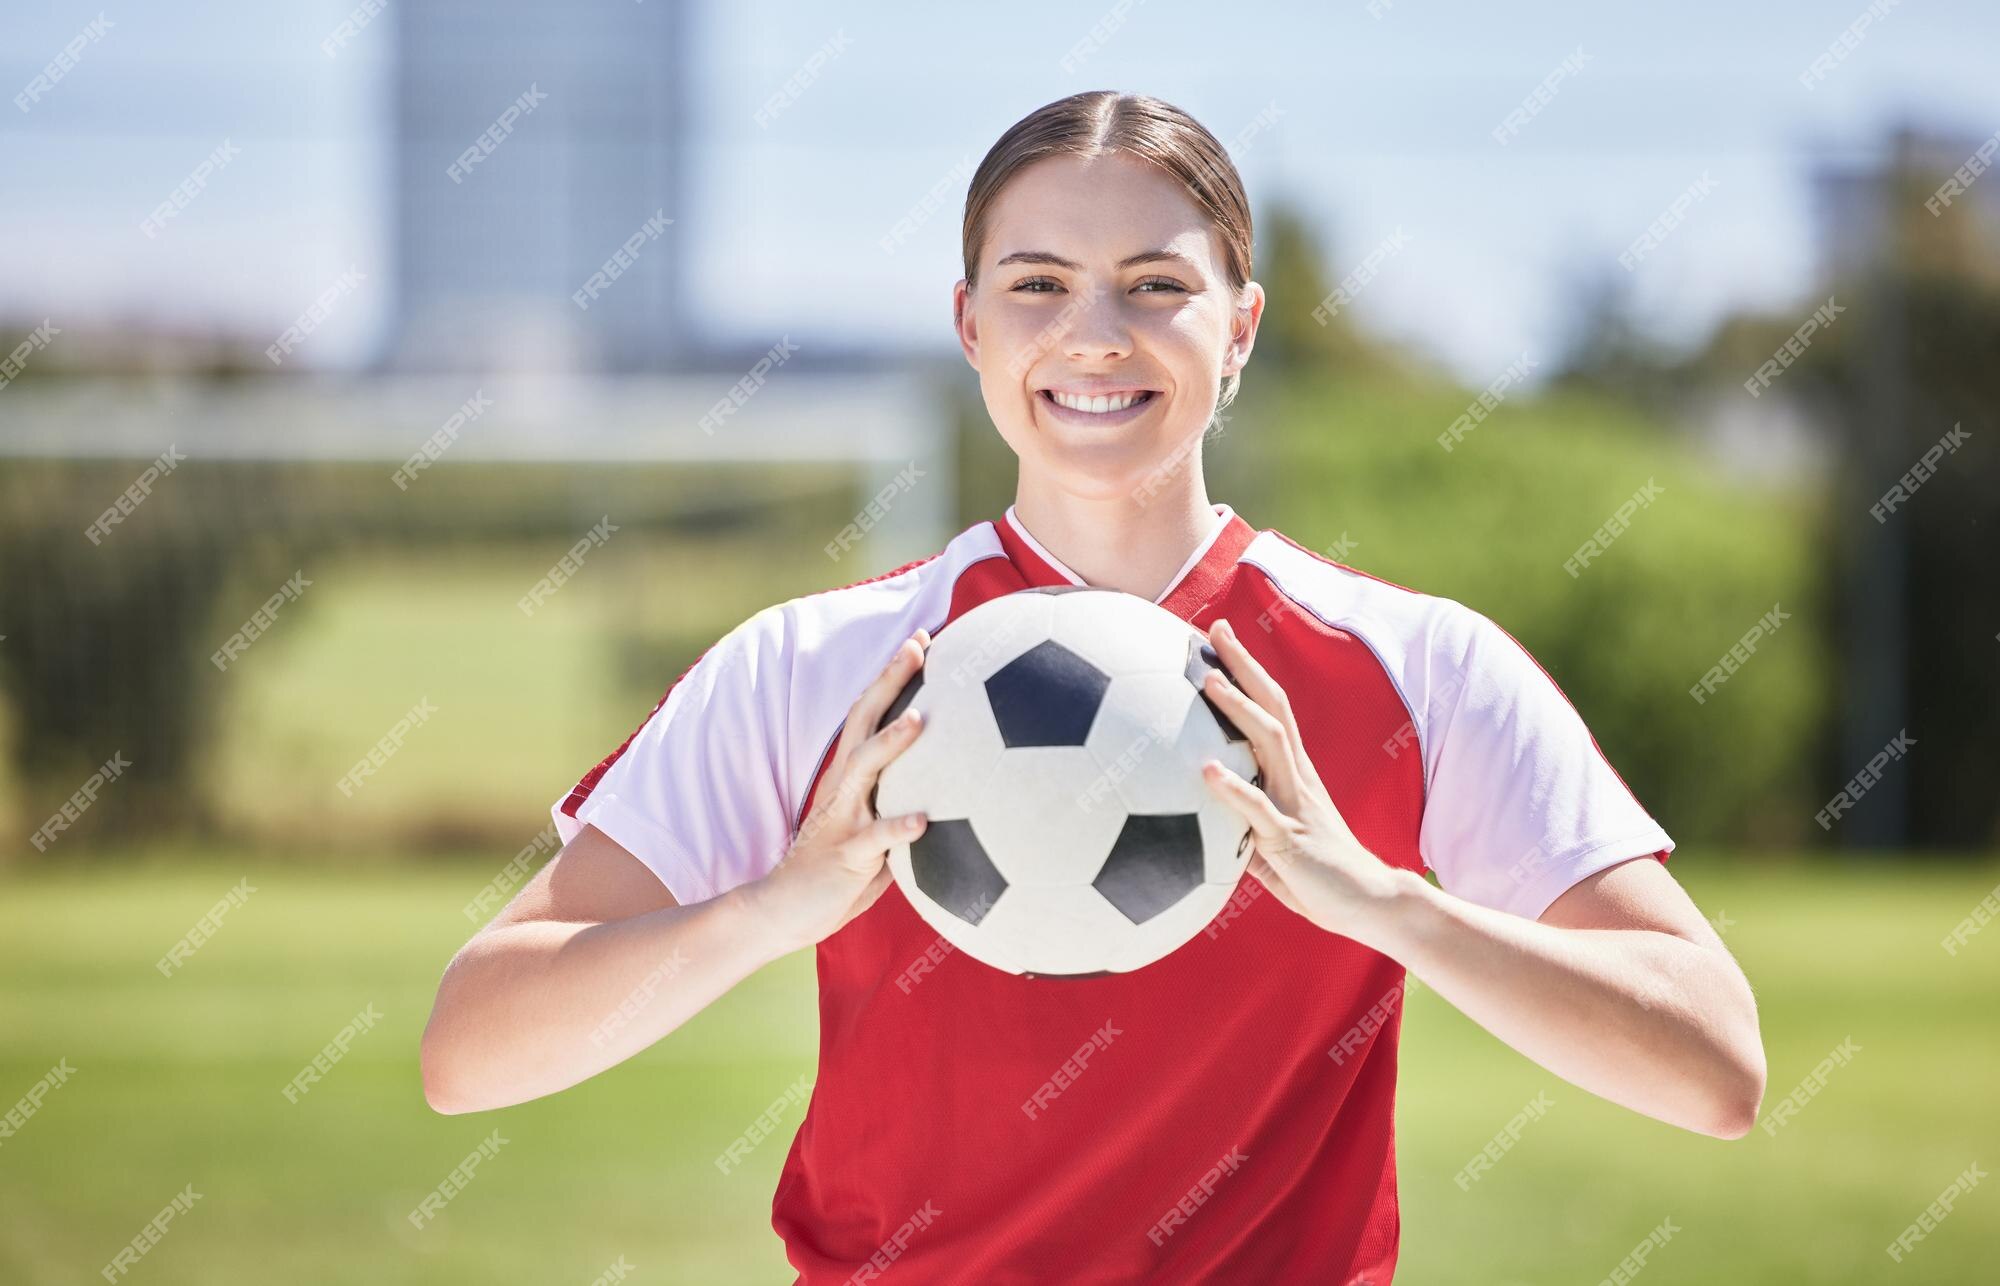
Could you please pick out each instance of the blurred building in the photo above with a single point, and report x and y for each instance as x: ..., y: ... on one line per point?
x: 1924, y: 202
x: 531, y: 143
x: 537, y: 202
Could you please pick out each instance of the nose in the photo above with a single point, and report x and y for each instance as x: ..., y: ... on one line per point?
x: 1097, y: 328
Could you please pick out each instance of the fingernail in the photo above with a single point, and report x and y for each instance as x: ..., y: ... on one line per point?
x: 911, y: 717
x: 914, y: 822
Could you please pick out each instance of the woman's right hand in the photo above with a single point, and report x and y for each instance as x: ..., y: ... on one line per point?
x: 838, y: 863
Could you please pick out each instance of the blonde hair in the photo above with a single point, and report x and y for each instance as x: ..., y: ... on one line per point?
x: 1100, y: 121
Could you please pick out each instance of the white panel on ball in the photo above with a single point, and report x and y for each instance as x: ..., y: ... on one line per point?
x: 1134, y: 739
x: 967, y: 652
x: 941, y: 773
x: 1057, y: 930
x: 1036, y: 819
x: 1121, y: 633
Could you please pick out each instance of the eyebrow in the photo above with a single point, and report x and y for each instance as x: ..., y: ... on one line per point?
x: 1130, y: 261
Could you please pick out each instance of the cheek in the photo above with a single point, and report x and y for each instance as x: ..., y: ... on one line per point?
x: 1199, y: 335
x: 1008, y: 351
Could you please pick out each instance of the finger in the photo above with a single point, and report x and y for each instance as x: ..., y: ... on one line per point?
x: 1270, y: 694
x: 879, y: 751
x: 1269, y: 740
x: 875, y: 699
x: 867, y: 896
x: 879, y: 836
x: 1273, y: 882
x: 849, y: 799
x: 1251, y: 674
x: 1267, y: 822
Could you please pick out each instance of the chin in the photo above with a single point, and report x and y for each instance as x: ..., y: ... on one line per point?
x: 1134, y: 464
x: 1106, y: 472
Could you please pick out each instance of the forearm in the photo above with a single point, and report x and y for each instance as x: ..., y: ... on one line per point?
x: 1654, y: 1022
x: 527, y: 1009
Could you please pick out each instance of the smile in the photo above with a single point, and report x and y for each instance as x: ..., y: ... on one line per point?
x: 1100, y: 408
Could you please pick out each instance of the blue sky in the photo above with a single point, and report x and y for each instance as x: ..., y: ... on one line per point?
x: 1384, y: 123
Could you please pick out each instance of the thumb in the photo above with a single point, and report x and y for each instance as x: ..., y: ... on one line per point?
x: 1273, y: 881
x: 868, y: 895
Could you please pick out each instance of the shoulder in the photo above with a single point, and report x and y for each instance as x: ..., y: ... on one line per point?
x: 1417, y: 635
x: 809, y: 657
x: 1439, y: 654
x: 847, y: 623
x: 801, y: 661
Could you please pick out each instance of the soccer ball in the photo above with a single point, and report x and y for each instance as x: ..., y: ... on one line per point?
x: 1059, y: 763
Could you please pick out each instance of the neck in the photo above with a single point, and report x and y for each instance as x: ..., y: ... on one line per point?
x: 1123, y: 542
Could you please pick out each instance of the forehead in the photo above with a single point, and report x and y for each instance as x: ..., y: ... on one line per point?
x: 1100, y: 207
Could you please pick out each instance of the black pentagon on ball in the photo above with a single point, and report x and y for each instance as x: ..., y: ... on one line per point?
x: 1047, y: 696
x: 1201, y: 659
x: 1155, y: 863
x: 951, y: 867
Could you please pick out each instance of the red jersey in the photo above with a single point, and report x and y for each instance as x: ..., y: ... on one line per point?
x: 1225, y: 1114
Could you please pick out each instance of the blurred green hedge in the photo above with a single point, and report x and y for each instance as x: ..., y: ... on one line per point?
x: 1492, y: 522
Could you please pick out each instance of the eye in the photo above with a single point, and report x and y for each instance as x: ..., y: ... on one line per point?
x: 1167, y: 282
x: 1027, y: 285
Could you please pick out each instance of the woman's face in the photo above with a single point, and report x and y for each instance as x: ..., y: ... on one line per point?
x: 1100, y: 278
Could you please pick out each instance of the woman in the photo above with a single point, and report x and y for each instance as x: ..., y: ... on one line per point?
x: 1226, y: 1113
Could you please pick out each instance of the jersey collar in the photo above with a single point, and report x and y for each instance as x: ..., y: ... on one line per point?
x: 1205, y: 571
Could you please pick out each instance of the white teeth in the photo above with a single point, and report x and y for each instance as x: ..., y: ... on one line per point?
x: 1095, y: 405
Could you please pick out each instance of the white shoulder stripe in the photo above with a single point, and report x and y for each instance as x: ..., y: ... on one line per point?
x: 707, y: 793
x: 1519, y: 804
x: 843, y: 637
x: 1418, y: 638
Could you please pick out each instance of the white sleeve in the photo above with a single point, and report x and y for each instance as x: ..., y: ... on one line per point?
x: 1521, y: 803
x: 699, y: 793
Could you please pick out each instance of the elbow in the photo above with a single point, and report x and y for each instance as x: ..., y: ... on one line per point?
x: 441, y: 1057
x: 442, y: 1090
x: 440, y: 1098
x: 1740, y: 1095
x: 437, y: 1087
x: 1738, y: 1069
x: 1737, y: 1119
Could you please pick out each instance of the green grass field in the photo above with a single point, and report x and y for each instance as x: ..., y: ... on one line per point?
x: 373, y: 637
x: 178, y: 1081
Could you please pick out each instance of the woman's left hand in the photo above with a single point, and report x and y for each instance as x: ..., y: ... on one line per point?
x: 1305, y: 854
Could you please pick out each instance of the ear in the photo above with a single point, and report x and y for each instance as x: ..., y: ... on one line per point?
x: 1243, y: 328
x: 965, y: 320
